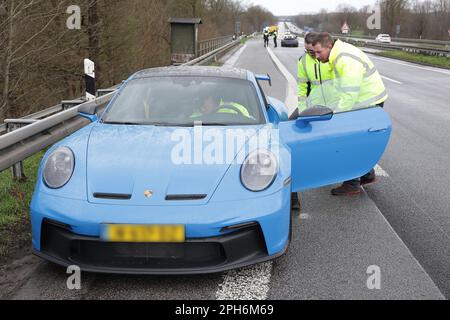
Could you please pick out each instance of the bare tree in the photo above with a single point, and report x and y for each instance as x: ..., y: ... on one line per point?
x: 41, y: 59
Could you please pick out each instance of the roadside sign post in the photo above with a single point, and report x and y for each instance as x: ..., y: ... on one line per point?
x: 237, y: 29
x: 17, y: 169
x: 345, y: 28
x: 89, y: 77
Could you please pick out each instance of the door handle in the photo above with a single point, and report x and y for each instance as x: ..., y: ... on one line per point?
x: 375, y: 130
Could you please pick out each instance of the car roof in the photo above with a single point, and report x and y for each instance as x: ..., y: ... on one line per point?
x: 222, y: 72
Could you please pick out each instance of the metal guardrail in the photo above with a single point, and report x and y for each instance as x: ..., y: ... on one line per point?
x: 443, y: 52
x: 407, y: 40
x: 27, y: 136
x: 209, y: 45
x: 38, y: 115
x: 213, y: 53
x: 409, y: 48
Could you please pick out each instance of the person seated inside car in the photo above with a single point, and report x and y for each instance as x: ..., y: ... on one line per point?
x: 213, y: 104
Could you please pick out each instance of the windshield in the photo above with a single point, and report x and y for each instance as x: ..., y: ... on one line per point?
x: 183, y: 101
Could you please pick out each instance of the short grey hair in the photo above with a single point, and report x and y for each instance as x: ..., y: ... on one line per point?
x: 311, y: 37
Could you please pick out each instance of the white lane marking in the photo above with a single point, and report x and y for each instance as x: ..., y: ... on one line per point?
x: 379, y: 171
x: 246, y: 284
x: 400, y: 240
x: 291, y: 90
x: 305, y: 216
x: 389, y: 79
x: 233, y: 59
x: 412, y: 65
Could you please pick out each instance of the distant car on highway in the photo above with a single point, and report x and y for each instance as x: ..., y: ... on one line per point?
x: 383, y: 38
x: 136, y: 192
x: 289, y: 40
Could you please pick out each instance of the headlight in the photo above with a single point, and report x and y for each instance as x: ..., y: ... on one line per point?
x: 259, y: 170
x: 59, y: 167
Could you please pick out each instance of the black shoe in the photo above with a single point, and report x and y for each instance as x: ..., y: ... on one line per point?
x: 368, y: 180
x: 346, y: 190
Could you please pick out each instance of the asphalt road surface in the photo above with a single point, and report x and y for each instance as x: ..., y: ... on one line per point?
x: 412, y: 192
x: 400, y: 225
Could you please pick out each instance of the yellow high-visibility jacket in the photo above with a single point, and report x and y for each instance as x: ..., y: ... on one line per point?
x: 236, y: 108
x: 314, y: 82
x: 357, y: 80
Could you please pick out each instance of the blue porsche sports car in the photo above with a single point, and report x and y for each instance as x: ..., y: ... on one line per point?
x: 191, y: 170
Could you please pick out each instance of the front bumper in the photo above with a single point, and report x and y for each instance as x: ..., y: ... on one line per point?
x: 237, y: 249
x: 67, y: 232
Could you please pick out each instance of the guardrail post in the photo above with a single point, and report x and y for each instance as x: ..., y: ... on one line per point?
x: 89, y: 76
x: 17, y: 169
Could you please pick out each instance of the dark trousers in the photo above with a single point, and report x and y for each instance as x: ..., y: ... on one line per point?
x: 275, y: 42
x: 370, y: 174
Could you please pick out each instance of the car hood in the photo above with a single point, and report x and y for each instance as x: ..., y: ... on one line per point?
x: 140, y: 165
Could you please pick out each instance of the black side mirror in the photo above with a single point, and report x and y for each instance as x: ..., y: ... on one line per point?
x: 317, y: 113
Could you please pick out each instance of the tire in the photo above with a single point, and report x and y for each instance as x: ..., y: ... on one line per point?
x: 295, y: 212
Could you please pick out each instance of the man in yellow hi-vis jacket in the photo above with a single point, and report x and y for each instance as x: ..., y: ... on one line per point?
x: 358, y: 84
x: 314, y: 78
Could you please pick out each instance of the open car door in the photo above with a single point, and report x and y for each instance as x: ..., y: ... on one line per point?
x: 329, y: 148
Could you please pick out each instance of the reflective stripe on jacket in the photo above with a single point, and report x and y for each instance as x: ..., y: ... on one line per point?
x: 359, y: 83
x: 236, y: 107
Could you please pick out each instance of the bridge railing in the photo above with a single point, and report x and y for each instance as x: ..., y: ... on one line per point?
x: 209, y: 45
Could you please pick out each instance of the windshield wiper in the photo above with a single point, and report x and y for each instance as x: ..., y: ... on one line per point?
x: 124, y: 123
x: 170, y: 124
x: 167, y: 124
x: 211, y: 124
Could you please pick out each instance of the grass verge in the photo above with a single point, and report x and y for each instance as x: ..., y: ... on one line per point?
x: 15, y: 198
x: 244, y: 40
x: 441, y: 62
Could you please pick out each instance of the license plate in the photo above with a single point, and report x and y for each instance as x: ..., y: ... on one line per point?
x: 143, y: 233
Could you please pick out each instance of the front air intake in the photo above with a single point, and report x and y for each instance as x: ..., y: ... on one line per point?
x: 185, y: 197
x: 112, y: 196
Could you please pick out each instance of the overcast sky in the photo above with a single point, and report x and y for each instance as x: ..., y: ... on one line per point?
x: 293, y: 7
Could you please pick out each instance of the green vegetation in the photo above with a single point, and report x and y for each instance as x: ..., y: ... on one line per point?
x: 244, y: 40
x: 215, y: 64
x: 442, y: 62
x: 357, y: 33
x: 15, y: 196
